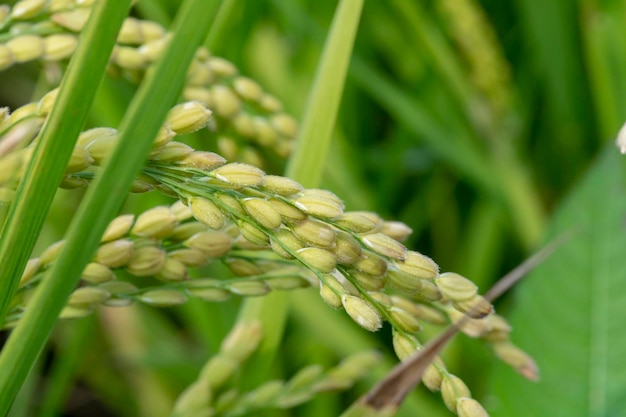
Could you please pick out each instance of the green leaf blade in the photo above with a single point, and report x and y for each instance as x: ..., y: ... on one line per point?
x: 569, y: 313
x: 138, y: 130
x: 45, y: 171
x: 308, y: 159
x: 306, y: 164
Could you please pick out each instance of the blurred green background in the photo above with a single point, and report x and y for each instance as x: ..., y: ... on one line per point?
x: 470, y: 121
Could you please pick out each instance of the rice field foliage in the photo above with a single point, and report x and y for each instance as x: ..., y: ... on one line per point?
x: 229, y: 208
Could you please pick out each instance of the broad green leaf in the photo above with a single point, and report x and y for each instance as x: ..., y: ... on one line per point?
x: 569, y: 313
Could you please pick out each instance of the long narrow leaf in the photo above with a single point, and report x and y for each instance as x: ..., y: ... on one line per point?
x: 138, y: 129
x: 52, y: 153
x: 307, y: 163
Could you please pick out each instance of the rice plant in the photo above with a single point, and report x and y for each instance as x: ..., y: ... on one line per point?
x: 228, y: 208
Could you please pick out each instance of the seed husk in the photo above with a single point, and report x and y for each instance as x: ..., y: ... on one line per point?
x: 347, y: 248
x: 319, y: 204
x: 190, y: 257
x: 32, y: 266
x: 209, y: 294
x: 285, y: 125
x: 243, y: 268
x: 289, y: 213
x: 162, y: 298
x: 129, y: 58
x: 188, y: 117
x: 319, y: 259
x: 202, y: 160
x: 368, y: 282
x: 253, y: 234
x: 59, y: 46
x: 239, y: 174
x: 287, y: 283
x: 456, y: 287
x: 249, y: 288
x: 469, y: 407
x: 362, y: 312
x: 207, y: 212
x: 418, y: 265
x: 96, y: 273
x: 403, y: 345
x: 186, y: 230
x: 225, y: 101
x: 88, y: 296
x: 26, y: 9
x: 242, y: 341
x: 171, y: 152
x: 26, y: 47
x: 284, y: 238
x: 248, y: 89
x: 386, y: 246
x: 396, y: 230
x: 172, y: 270
x: 281, y: 185
x: 476, y: 307
x: 404, y: 320
x: 213, y: 244
x: 118, y: 227
x: 452, y: 389
x: 331, y: 291
x: 222, y: 67
x: 372, y: 264
x: 359, y: 221
x: 158, y: 222
x: 432, y: 378
x: 315, y: 233
x: 115, y: 254
x: 52, y: 252
x: 71, y: 312
x: 518, y: 359
x: 263, y: 212
x: 406, y: 283
x: 146, y: 261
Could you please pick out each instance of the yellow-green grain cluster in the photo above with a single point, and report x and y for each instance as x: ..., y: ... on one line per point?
x: 268, y: 230
x: 163, y: 243
x: 273, y: 234
x: 94, y: 145
x: 477, y: 42
x: 212, y: 393
x: 250, y: 124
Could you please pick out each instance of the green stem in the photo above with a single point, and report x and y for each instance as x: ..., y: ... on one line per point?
x: 308, y: 159
x: 222, y: 21
x: 307, y: 163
